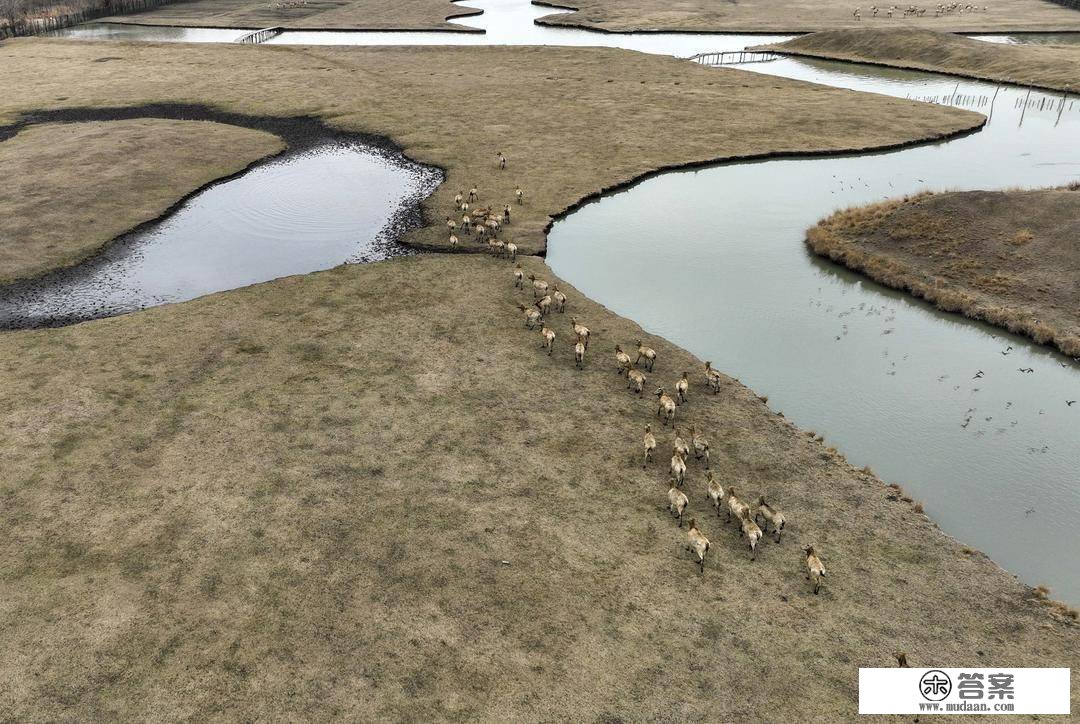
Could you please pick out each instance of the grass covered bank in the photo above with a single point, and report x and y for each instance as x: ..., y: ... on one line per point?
x: 367, y: 493
x: 313, y: 15
x: 572, y: 121
x: 799, y: 16
x: 128, y: 172
x: 1011, y: 258
x: 1056, y: 67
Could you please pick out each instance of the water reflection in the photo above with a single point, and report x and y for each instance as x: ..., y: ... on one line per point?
x: 888, y: 379
x: 301, y: 213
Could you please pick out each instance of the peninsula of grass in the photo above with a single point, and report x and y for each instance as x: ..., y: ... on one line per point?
x: 163, y: 160
x: 1056, y: 67
x: 1010, y: 258
x: 572, y: 122
x: 367, y: 493
x: 310, y: 15
x: 801, y: 16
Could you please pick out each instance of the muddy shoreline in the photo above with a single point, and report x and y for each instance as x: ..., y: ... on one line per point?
x: 301, y: 134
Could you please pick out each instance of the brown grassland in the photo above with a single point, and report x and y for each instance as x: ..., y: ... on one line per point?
x: 800, y: 16
x: 163, y: 160
x: 1048, y: 66
x: 366, y: 493
x: 1011, y: 258
x: 311, y: 15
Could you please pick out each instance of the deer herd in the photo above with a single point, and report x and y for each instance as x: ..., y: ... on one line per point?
x: 547, y: 300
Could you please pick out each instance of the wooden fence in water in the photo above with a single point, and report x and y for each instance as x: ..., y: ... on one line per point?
x: 733, y: 57
x: 260, y: 36
x: 38, y: 26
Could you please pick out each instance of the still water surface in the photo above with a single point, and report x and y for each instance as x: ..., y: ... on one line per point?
x: 300, y: 213
x: 889, y: 380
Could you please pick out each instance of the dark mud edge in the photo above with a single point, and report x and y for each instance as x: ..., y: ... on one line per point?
x: 300, y: 134
x: 748, y: 158
x: 781, y: 50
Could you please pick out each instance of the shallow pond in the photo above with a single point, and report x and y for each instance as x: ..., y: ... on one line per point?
x: 887, y: 379
x: 302, y: 212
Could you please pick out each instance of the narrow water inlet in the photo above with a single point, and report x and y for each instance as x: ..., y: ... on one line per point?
x: 330, y: 198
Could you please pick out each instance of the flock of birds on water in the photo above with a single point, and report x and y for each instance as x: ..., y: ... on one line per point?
x: 547, y: 300
x: 972, y: 415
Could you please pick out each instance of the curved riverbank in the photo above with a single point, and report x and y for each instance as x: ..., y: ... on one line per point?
x: 166, y: 159
x: 1007, y: 258
x: 562, y: 157
x: 302, y: 470
x: 356, y: 15
x: 801, y: 16
x: 277, y: 217
x: 1038, y: 66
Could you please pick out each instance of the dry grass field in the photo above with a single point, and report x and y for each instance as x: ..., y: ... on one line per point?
x: 1011, y: 258
x: 162, y: 161
x: 367, y: 494
x: 311, y: 15
x: 606, y: 116
x: 801, y: 16
x: 1048, y: 66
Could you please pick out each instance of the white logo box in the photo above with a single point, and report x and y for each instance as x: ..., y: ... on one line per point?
x: 900, y: 691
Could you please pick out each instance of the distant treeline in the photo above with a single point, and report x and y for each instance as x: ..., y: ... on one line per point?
x: 29, y: 17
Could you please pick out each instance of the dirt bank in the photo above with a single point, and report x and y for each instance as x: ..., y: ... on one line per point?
x: 1047, y: 66
x: 129, y: 172
x: 1010, y: 258
x: 322, y: 15
x: 800, y: 16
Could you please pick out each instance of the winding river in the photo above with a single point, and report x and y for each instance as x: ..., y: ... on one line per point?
x: 887, y: 379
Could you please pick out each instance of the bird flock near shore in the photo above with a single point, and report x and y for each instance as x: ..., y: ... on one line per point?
x: 547, y: 300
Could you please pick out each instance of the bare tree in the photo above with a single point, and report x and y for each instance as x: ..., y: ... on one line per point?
x: 11, y: 13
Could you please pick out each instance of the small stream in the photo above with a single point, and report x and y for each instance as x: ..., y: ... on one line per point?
x: 895, y: 384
